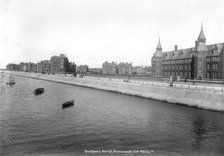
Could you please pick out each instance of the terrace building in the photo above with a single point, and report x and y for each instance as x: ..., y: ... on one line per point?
x: 45, y: 66
x: 109, y: 68
x: 12, y: 66
x: 21, y: 66
x: 59, y: 64
x: 124, y: 68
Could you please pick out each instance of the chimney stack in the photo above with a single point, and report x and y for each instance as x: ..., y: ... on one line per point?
x: 175, y: 48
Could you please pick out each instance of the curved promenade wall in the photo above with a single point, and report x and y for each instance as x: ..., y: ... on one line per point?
x: 210, y: 99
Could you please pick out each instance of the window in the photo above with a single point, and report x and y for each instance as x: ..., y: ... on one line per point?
x: 181, y: 74
x: 215, y: 66
x: 181, y: 67
x: 199, y: 71
x: 208, y: 75
x: 200, y: 63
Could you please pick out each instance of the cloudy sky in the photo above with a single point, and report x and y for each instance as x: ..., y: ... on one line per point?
x: 93, y: 31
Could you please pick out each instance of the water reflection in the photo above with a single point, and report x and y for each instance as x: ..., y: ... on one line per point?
x: 199, y: 130
x: 206, y: 133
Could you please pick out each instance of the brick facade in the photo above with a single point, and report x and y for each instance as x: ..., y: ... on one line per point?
x: 200, y: 62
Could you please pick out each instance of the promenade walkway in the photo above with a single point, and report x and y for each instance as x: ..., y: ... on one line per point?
x: 180, y: 85
x: 183, y: 85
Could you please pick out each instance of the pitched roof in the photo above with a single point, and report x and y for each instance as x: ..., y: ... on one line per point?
x: 201, y: 36
x: 158, y: 52
x: 159, y: 45
x: 182, y: 53
x: 212, y: 49
x: 215, y: 49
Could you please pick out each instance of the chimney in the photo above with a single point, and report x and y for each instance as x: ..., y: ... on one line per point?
x: 175, y: 47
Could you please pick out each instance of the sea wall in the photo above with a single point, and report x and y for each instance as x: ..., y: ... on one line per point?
x: 206, y: 99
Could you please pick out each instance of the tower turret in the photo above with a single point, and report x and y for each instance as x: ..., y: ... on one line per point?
x: 157, y: 61
x: 159, y: 47
x: 201, y: 37
x: 158, y: 52
x: 200, y: 56
x: 201, y: 42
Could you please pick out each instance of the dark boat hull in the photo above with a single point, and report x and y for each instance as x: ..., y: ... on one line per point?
x: 38, y: 91
x: 68, y: 104
x: 10, y: 83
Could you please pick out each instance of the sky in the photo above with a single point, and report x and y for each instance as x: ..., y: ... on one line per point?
x: 94, y: 31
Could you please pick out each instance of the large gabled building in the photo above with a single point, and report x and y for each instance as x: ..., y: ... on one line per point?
x: 109, y: 68
x: 199, y: 62
x: 124, y: 68
x: 156, y: 61
x: 59, y: 64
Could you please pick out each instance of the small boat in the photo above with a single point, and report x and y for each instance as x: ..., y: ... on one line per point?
x: 67, y: 104
x: 38, y: 91
x: 11, y: 81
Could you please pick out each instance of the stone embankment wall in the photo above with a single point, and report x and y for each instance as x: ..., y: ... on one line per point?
x: 207, y: 99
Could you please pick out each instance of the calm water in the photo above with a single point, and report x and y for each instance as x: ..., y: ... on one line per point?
x: 100, y: 121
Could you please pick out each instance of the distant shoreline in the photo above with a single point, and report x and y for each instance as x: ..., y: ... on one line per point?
x: 205, y: 98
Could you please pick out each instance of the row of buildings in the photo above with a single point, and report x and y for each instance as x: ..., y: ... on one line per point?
x: 61, y: 65
x: 124, y: 69
x: 57, y: 64
x: 199, y: 62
